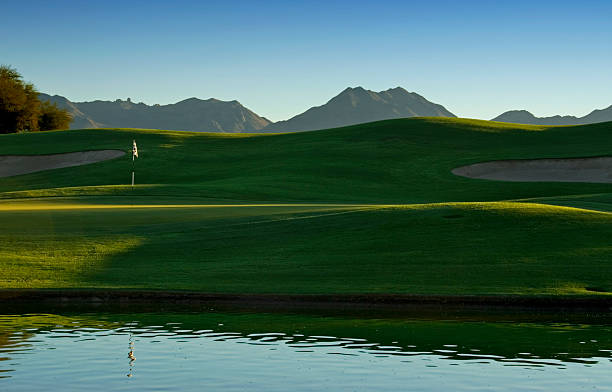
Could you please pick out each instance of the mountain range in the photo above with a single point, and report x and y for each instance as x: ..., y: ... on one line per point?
x: 525, y: 117
x: 358, y: 105
x: 193, y: 114
x: 351, y: 106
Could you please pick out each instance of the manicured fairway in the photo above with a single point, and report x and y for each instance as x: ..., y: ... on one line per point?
x: 365, y: 209
x: 462, y: 248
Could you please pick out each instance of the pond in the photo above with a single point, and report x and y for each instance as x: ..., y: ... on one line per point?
x: 248, y: 350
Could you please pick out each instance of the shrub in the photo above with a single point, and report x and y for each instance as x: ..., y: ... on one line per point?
x: 20, y: 108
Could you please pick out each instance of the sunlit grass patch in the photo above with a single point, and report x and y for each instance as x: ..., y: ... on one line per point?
x: 64, y: 261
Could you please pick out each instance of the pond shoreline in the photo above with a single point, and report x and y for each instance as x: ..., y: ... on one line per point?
x: 93, y: 296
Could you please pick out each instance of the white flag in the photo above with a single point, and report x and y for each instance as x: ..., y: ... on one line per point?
x: 134, y: 150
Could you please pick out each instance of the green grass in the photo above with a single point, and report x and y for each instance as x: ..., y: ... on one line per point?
x: 371, y: 208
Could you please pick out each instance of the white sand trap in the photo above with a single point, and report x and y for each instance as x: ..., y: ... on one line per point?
x: 542, y: 170
x: 14, y: 165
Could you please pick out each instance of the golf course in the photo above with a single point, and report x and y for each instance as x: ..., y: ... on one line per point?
x: 368, y: 209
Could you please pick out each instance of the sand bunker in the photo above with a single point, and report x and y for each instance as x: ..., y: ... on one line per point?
x: 542, y: 170
x: 14, y: 165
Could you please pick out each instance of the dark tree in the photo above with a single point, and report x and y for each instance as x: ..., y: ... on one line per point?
x: 20, y: 108
x: 52, y: 117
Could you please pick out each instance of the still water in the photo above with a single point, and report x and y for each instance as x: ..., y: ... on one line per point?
x: 263, y: 351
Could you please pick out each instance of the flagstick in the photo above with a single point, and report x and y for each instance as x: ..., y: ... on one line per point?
x: 132, y: 171
x: 134, y: 156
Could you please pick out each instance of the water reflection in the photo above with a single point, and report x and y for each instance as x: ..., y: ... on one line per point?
x: 131, y: 356
x: 167, y: 340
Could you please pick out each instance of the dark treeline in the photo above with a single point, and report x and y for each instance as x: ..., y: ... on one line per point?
x: 22, y: 111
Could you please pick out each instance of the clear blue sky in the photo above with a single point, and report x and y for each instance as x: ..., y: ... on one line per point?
x: 278, y: 58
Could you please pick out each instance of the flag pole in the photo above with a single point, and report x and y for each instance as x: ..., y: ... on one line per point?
x: 134, y: 156
x: 132, y: 171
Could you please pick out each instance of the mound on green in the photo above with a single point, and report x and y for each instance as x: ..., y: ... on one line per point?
x: 372, y: 208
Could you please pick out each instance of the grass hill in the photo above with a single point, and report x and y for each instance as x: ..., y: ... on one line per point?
x: 371, y: 208
x: 358, y: 105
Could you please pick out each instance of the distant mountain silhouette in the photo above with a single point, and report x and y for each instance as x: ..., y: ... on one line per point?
x: 79, y: 119
x: 352, y: 106
x: 357, y: 105
x: 524, y: 117
x: 192, y: 114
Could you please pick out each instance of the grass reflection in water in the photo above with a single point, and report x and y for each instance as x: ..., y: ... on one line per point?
x: 182, y: 347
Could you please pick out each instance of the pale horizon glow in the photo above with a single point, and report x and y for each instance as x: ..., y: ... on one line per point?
x: 476, y: 58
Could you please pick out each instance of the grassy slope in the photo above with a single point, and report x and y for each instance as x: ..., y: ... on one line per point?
x: 444, y: 248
